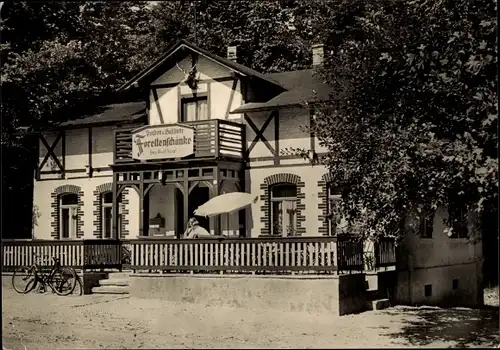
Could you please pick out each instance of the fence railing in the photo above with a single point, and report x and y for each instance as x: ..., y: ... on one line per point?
x: 350, y: 253
x: 385, y: 252
x: 236, y: 255
x: 263, y: 255
x: 86, y: 254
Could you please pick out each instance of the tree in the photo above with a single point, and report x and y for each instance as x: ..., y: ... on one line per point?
x: 263, y: 31
x: 73, y: 52
x: 72, y: 55
x: 413, y: 122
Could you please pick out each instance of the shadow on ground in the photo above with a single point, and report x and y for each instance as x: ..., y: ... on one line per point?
x: 464, y: 327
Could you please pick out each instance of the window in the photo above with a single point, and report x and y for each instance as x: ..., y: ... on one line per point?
x: 107, y: 215
x: 68, y: 215
x: 426, y: 226
x: 459, y: 223
x: 284, y: 210
x: 336, y: 223
x: 454, y: 284
x: 194, y: 108
x: 428, y: 290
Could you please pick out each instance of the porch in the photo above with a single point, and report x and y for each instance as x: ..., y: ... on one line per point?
x: 255, y: 272
x: 172, y: 179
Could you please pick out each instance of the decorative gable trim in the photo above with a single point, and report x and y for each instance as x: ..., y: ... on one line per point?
x: 183, y: 44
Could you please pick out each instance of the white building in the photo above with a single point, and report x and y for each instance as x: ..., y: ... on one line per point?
x: 97, y: 179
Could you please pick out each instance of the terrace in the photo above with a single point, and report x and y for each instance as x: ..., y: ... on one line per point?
x: 305, y: 255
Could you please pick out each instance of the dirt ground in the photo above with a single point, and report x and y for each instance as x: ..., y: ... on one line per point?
x: 38, y: 321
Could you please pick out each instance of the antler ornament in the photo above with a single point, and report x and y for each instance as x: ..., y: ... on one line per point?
x: 190, y: 77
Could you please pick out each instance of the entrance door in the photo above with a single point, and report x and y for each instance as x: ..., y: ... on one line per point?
x: 198, y: 196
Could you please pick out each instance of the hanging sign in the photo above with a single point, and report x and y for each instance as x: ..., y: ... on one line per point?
x: 162, y: 142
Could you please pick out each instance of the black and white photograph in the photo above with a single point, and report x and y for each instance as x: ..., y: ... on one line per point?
x: 249, y: 174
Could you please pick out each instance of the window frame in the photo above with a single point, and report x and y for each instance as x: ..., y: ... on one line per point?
x: 73, y: 217
x: 184, y: 100
x: 273, y: 199
x: 426, y: 217
x: 105, y: 205
x: 428, y: 290
x: 460, y: 226
x: 332, y: 227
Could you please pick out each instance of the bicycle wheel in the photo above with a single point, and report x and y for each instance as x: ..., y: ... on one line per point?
x: 64, y: 281
x: 24, y: 280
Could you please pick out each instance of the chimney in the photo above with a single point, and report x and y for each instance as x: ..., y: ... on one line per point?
x: 318, y: 52
x: 231, y: 53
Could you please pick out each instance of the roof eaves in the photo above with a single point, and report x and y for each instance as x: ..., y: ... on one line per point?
x: 233, y: 66
x: 98, y: 123
x: 152, y: 67
x: 264, y: 107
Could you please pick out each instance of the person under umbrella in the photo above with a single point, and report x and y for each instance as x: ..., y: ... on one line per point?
x: 194, y: 230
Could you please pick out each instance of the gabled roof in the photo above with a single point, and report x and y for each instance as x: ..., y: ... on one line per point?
x: 301, y: 86
x: 183, y: 44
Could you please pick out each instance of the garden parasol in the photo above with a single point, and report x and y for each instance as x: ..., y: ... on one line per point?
x: 226, y: 203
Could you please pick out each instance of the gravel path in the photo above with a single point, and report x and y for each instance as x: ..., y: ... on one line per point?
x: 40, y: 321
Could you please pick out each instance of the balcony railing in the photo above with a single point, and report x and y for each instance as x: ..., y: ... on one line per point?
x: 212, y: 138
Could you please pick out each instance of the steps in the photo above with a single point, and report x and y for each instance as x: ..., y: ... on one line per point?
x: 373, y: 297
x: 116, y: 283
x: 378, y: 304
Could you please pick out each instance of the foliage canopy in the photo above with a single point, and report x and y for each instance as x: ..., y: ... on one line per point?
x: 412, y: 124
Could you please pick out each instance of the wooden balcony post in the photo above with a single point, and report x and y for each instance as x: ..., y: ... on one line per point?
x: 186, y: 196
x: 143, y: 208
x: 242, y: 214
x: 217, y: 225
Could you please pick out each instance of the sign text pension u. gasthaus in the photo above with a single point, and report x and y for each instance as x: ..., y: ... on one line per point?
x: 162, y: 142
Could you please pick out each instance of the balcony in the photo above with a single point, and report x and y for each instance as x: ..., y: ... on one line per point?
x: 212, y: 139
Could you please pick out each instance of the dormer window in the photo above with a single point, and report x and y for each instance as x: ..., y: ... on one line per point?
x: 194, y: 108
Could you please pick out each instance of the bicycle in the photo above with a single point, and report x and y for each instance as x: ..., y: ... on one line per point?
x: 57, y: 278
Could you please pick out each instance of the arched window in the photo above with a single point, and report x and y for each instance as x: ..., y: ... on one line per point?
x: 68, y: 215
x: 283, y: 210
x: 336, y: 223
x: 107, y: 215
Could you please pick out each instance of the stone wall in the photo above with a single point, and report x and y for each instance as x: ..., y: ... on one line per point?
x: 336, y: 295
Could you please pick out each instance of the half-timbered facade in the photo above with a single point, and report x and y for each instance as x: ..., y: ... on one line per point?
x: 241, y: 121
x: 200, y: 125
